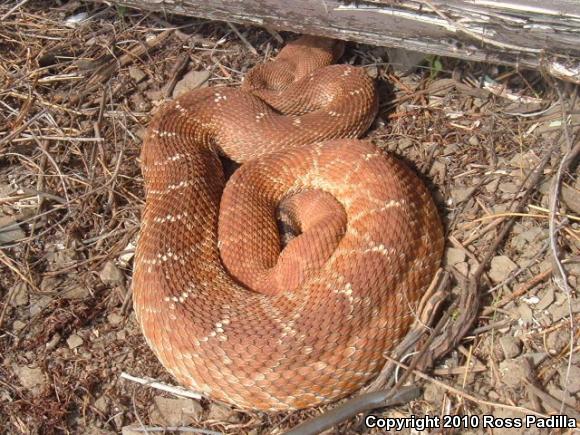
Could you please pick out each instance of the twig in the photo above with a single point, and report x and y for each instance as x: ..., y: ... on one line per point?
x: 175, y: 74
x: 172, y: 429
x: 105, y: 71
x: 243, y: 38
x: 9, y: 264
x: 516, y: 273
x: 560, y: 277
x: 551, y: 401
x: 135, y: 411
x: 451, y: 371
x: 20, y: 129
x: 4, y: 259
x: 498, y: 215
x: 522, y: 289
x: 469, y: 299
x: 365, y: 402
x: 177, y: 29
x: 468, y: 396
x: 178, y: 391
x: 43, y: 148
x: 498, y: 324
x: 274, y: 34
x: 25, y: 138
x: 18, y: 5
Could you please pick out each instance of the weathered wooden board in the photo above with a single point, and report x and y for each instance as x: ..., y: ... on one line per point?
x: 534, y: 34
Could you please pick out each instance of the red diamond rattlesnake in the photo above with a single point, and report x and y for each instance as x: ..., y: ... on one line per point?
x: 338, y: 295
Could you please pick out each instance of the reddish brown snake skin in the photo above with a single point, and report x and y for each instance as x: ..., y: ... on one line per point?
x: 328, y: 305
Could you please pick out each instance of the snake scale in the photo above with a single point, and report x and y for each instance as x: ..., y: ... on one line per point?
x: 227, y: 307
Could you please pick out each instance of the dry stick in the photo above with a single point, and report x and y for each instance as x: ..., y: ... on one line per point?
x: 138, y: 51
x: 555, y: 325
x: 20, y: 129
x: 181, y: 35
x: 243, y: 38
x: 9, y: 298
x: 127, y: 301
x: 54, y: 209
x: 550, y: 368
x: 490, y: 226
x: 40, y: 187
x: 468, y: 396
x: 4, y: 259
x: 48, y: 104
x: 61, y: 177
x: 18, y: 5
x: 456, y: 243
x: 135, y: 411
x: 469, y: 298
x: 178, y: 391
x: 97, y: 131
x: 531, y: 215
x: 104, y: 72
x: 274, y: 34
x: 521, y: 290
x: 560, y: 277
x: 185, y: 429
x: 64, y: 204
x: 461, y: 370
x: 516, y: 273
x: 57, y: 138
x: 552, y: 402
x: 516, y: 210
x: 31, y: 193
x: 176, y: 72
x: 8, y: 262
x: 365, y: 402
x: 490, y: 326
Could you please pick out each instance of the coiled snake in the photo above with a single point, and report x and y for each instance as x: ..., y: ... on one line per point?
x: 326, y: 305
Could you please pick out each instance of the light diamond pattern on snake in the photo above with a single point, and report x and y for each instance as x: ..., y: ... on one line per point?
x: 230, y: 310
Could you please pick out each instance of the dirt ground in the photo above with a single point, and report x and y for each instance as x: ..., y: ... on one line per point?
x: 78, y: 84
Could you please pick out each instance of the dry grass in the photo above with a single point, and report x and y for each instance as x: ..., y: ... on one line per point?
x: 75, y: 98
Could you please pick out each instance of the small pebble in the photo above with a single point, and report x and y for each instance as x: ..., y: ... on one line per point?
x: 74, y: 341
x: 511, y: 346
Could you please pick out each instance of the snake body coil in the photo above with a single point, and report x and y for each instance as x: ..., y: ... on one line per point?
x: 322, y: 309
